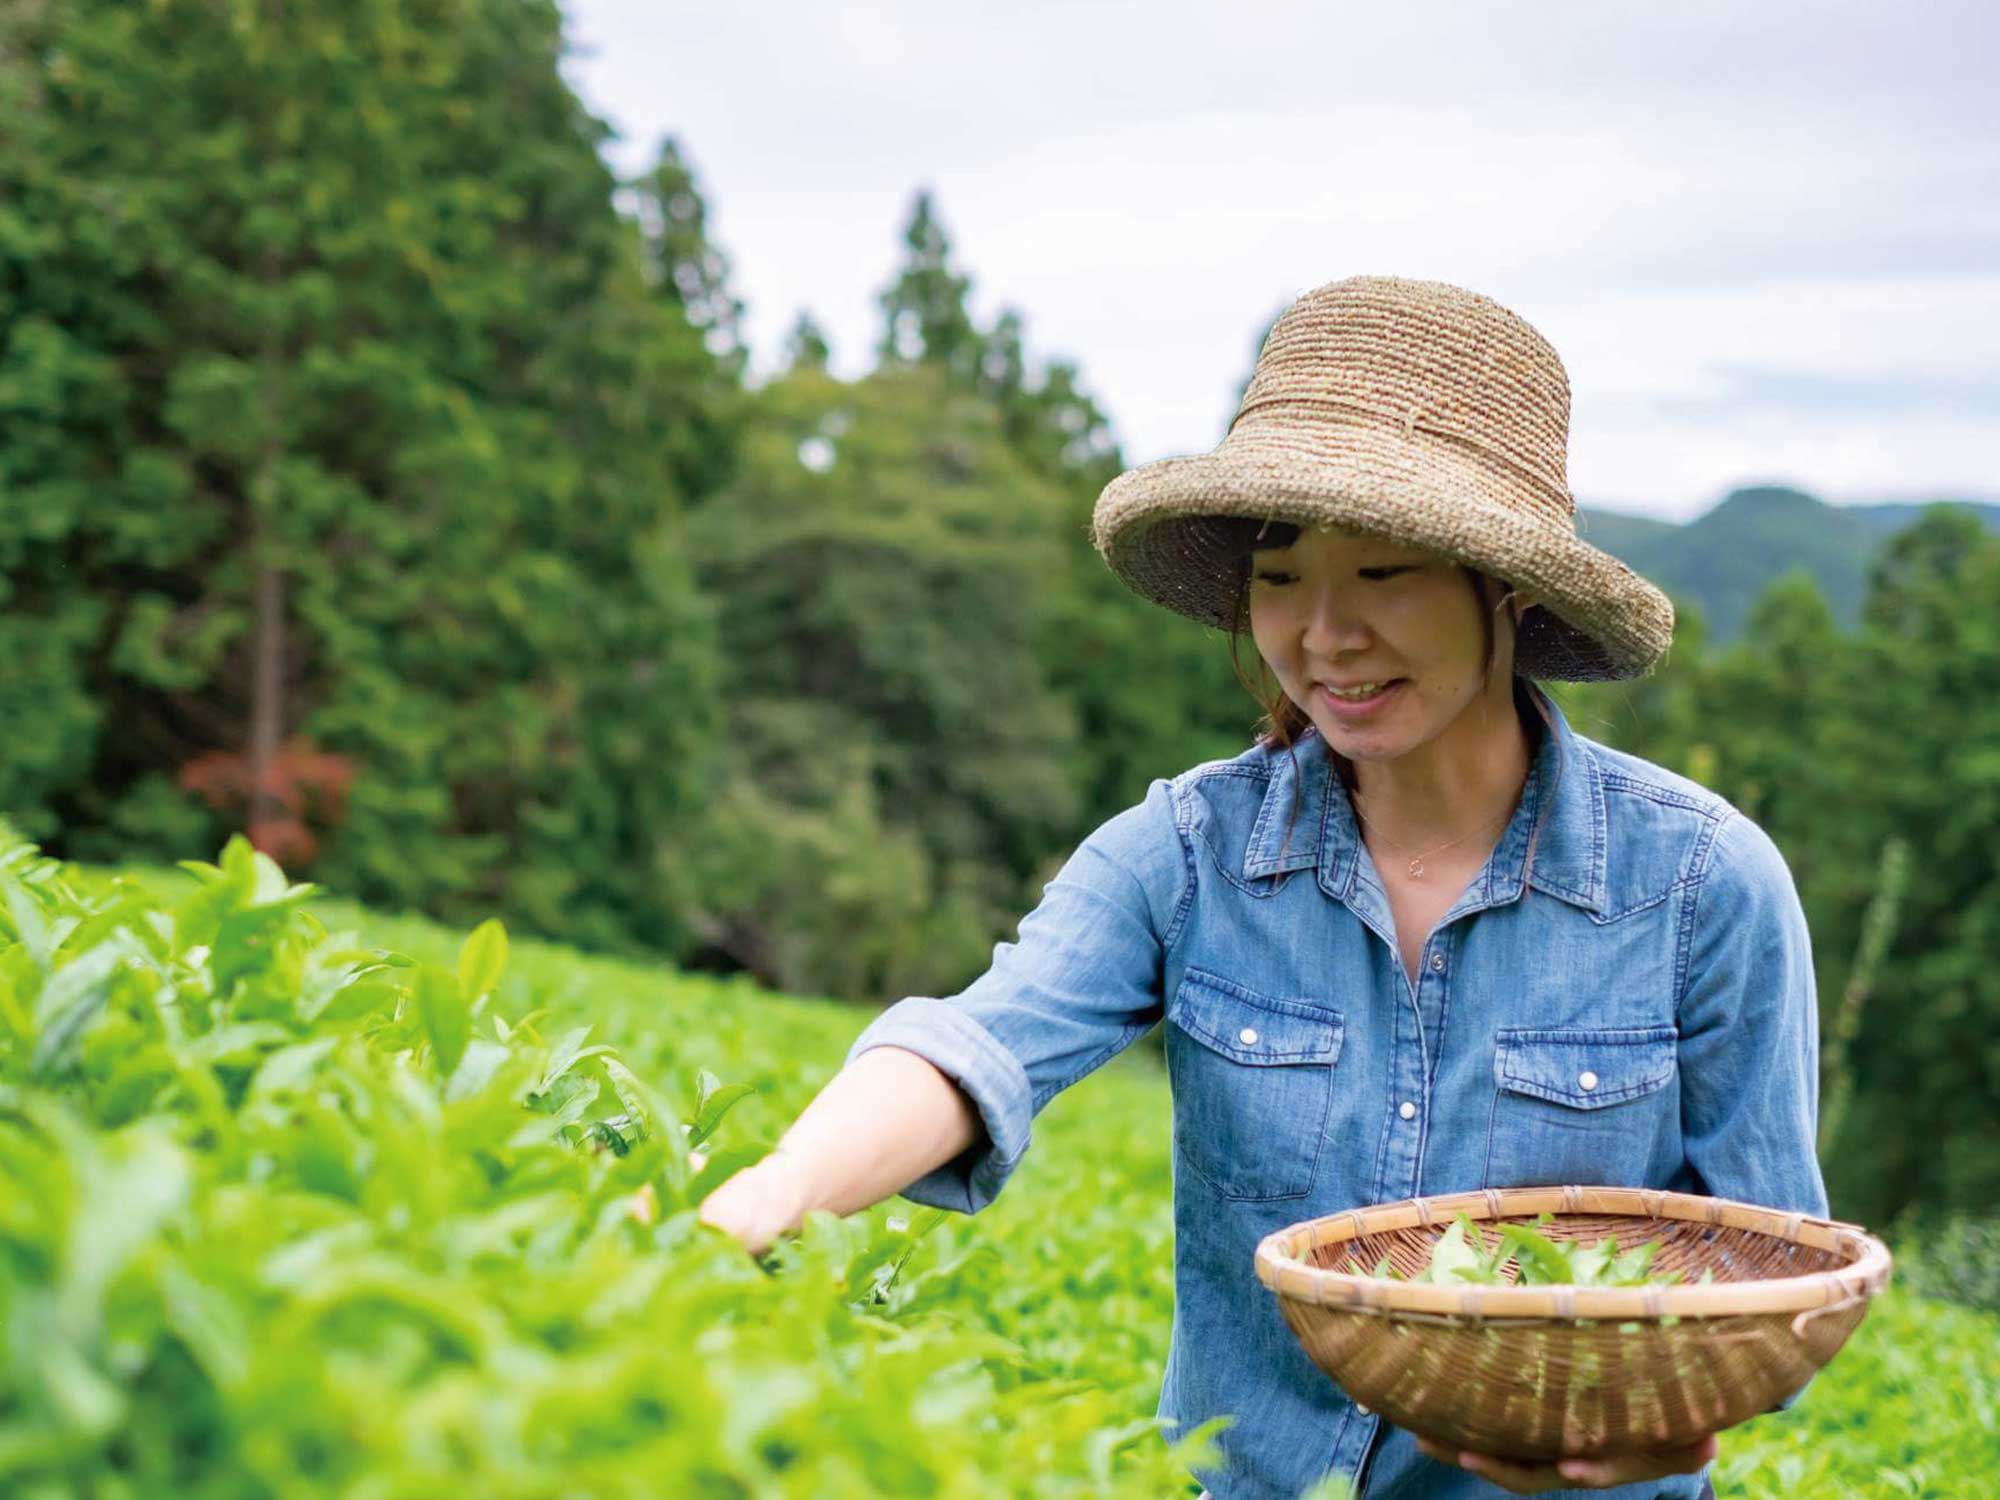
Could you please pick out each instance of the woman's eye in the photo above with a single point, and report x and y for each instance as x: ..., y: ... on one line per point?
x: 1372, y: 575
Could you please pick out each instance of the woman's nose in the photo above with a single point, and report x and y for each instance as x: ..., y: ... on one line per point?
x: 1332, y: 623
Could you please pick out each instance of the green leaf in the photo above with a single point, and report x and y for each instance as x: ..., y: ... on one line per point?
x: 1587, y: 1266
x: 705, y: 1083
x: 447, y: 1019
x: 25, y: 912
x: 562, y: 1056
x: 631, y: 1093
x: 1632, y: 1265
x: 1542, y: 1262
x: 237, y: 1042
x: 717, y: 1104
x: 75, y: 994
x: 291, y: 1068
x: 210, y: 1322
x: 1461, y: 1255
x: 1450, y: 1254
x: 475, y: 1070
x: 482, y: 959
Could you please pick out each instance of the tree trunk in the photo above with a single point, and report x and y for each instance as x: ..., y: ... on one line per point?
x: 267, y: 716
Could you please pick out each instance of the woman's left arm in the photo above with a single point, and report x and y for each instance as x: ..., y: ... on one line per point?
x: 1748, y: 1017
x: 1749, y: 1032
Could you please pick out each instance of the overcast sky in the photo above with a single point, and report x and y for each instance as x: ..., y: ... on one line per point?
x: 1764, y: 235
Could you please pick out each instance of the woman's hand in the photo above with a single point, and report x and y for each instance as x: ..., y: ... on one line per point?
x: 1578, y: 1473
x: 759, y: 1203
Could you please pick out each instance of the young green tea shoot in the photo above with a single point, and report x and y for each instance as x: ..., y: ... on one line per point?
x: 1462, y: 1254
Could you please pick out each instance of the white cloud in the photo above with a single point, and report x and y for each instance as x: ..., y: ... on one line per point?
x: 1726, y: 218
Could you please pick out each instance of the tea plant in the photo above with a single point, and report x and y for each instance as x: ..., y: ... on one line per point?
x: 283, y: 1211
x: 298, y: 1198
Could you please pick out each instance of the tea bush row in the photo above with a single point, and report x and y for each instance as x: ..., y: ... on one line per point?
x: 297, y: 1199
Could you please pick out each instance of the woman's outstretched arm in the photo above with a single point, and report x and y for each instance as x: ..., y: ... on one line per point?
x: 883, y: 1121
x: 942, y: 1115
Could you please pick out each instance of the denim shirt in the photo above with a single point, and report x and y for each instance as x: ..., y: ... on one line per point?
x: 1624, y: 994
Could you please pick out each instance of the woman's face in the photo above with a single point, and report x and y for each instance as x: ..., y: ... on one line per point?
x: 1343, y: 609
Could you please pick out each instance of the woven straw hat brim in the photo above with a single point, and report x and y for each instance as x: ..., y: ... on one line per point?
x: 1599, y: 619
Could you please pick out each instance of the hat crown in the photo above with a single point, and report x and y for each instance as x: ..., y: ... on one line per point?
x: 1424, y: 359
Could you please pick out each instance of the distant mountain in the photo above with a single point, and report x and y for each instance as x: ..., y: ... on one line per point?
x: 1722, y: 561
x: 1892, y: 518
x: 1621, y: 534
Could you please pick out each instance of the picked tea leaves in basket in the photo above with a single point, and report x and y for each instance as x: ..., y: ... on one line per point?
x: 1462, y: 1254
x: 1584, y: 1321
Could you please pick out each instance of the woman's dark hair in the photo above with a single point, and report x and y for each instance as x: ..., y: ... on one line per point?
x: 1284, y: 722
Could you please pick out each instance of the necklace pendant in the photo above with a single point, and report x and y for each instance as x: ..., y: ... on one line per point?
x: 1416, y: 869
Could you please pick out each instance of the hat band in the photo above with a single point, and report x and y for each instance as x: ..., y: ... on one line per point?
x: 1519, y: 484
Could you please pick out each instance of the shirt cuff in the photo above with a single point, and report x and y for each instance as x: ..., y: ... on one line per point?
x: 951, y: 1041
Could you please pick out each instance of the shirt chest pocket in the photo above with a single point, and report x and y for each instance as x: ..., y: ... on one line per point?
x: 1582, y: 1105
x: 1253, y: 1083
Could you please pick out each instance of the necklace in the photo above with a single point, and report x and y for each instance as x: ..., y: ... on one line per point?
x: 1417, y: 861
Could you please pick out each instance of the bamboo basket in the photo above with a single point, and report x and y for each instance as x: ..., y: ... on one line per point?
x: 1537, y: 1373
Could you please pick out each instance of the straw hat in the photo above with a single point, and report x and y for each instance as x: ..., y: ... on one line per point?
x: 1411, y: 410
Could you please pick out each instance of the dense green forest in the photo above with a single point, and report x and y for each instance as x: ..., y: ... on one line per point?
x: 380, y: 475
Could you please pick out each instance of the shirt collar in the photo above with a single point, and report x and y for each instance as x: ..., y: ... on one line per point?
x: 1562, y: 853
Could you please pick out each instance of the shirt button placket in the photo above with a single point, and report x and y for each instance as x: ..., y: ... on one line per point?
x: 1399, y: 1162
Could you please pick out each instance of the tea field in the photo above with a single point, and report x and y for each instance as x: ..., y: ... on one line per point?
x: 300, y: 1199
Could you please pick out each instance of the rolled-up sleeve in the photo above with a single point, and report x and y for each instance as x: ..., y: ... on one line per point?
x: 1082, y: 983
x: 1749, y: 1032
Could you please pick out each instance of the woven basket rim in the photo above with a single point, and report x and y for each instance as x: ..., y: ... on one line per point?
x: 1865, y: 1274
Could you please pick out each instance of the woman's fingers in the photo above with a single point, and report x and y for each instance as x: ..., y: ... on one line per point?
x: 1576, y: 1473
x: 1522, y: 1479
x: 1602, y: 1473
x: 757, y: 1204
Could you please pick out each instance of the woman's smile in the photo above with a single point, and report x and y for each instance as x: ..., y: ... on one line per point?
x: 1360, y: 709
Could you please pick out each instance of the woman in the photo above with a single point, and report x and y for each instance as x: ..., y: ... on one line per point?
x: 1420, y: 938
